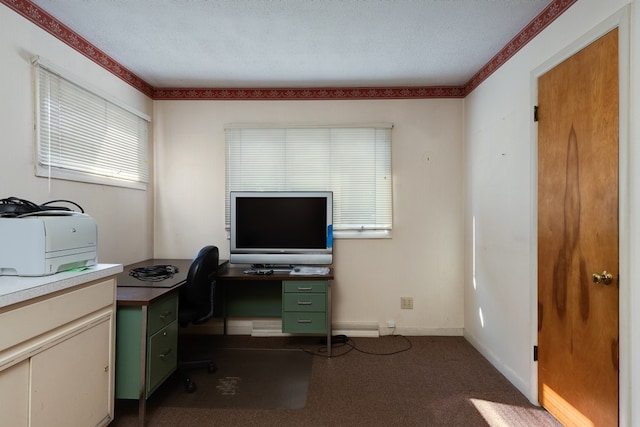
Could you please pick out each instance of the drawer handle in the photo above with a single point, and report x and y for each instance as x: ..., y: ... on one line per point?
x: 166, y: 314
x: 305, y: 288
x: 304, y: 321
x: 305, y: 303
x: 165, y: 354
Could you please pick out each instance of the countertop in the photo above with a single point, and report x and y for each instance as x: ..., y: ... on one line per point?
x: 17, y: 289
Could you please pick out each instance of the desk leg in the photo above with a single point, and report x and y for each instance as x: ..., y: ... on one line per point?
x: 142, y: 387
x: 329, y: 333
x: 224, y: 310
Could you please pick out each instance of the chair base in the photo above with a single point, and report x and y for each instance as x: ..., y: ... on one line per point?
x: 185, y: 366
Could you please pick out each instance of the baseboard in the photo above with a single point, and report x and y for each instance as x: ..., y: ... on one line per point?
x: 273, y: 328
x: 429, y: 332
x: 267, y: 328
x: 497, y: 363
x: 254, y: 327
x: 356, y: 329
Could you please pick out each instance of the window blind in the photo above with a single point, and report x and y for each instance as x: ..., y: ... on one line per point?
x: 83, y: 136
x: 351, y: 161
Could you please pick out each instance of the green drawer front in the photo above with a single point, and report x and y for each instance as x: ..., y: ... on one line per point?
x: 305, y: 302
x: 162, y: 312
x: 305, y: 286
x: 304, y: 323
x: 162, y: 356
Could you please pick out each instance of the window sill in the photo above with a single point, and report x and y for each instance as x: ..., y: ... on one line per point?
x: 363, y: 234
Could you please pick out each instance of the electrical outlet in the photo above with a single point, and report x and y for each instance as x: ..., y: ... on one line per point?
x: 406, y: 303
x: 391, y: 324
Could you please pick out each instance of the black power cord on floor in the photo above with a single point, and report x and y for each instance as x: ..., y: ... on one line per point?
x: 409, y: 346
x: 342, y: 341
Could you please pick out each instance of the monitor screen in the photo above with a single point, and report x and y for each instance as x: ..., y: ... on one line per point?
x: 281, y: 228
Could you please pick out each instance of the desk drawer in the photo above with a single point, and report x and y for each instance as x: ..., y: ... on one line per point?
x: 304, y: 302
x: 302, y: 286
x: 304, y: 322
x: 162, y: 356
x: 162, y: 313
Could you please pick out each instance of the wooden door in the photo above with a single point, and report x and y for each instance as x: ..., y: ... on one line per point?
x: 578, y: 236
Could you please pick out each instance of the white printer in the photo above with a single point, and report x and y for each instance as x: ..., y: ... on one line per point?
x: 47, y: 243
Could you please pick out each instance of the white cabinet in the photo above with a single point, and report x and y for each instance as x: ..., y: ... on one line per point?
x: 14, y: 394
x: 57, y: 358
x: 73, y: 377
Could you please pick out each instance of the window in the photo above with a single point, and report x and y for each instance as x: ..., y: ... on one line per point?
x: 353, y: 162
x: 84, y: 136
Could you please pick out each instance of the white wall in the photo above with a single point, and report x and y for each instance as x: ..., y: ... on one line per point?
x: 124, y: 217
x: 431, y: 256
x: 500, y: 175
x: 422, y: 260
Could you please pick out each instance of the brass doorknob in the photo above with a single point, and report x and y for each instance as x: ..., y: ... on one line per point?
x: 605, y: 278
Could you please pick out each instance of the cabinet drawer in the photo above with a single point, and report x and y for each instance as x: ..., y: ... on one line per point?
x: 162, y: 356
x: 301, y: 286
x: 304, y: 302
x: 162, y: 313
x: 49, y: 313
x: 304, y: 322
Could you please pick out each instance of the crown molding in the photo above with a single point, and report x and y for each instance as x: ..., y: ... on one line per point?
x: 65, y: 34
x: 535, y: 27
x: 271, y: 94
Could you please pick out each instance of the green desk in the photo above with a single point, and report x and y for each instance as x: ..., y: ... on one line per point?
x: 303, y: 302
x: 146, y: 332
x: 147, y: 317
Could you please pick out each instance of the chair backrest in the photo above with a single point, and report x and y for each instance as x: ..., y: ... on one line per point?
x: 199, y: 291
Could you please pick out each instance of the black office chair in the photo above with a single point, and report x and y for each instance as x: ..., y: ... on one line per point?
x: 195, y: 304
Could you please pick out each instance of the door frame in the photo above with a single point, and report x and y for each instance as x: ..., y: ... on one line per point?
x: 628, y: 273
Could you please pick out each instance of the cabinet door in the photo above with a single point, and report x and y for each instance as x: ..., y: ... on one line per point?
x: 14, y: 395
x: 71, y: 381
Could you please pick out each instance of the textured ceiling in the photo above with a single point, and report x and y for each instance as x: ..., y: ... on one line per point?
x: 298, y: 43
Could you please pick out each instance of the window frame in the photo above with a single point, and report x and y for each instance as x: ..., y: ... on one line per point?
x: 365, y: 231
x: 130, y: 126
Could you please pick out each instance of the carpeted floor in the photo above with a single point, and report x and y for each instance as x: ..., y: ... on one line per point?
x: 245, y: 379
x: 415, y: 381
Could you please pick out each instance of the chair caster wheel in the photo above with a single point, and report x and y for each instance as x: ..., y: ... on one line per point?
x: 212, y: 368
x: 189, y: 386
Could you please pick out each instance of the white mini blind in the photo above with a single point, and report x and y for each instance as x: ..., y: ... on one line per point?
x: 351, y: 161
x: 84, y: 136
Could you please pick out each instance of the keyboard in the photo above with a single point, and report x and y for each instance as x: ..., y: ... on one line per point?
x: 310, y: 271
x: 260, y: 271
x: 302, y: 270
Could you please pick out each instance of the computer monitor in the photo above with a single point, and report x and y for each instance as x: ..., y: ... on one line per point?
x: 281, y: 228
